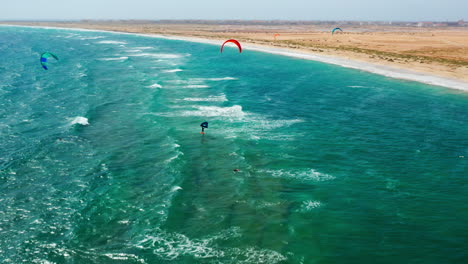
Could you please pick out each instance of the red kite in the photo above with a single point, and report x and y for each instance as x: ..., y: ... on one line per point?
x: 233, y: 41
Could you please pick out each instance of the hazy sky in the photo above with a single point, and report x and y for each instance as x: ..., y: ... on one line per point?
x: 386, y: 10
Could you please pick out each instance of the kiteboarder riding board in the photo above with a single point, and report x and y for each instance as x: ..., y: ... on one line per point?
x: 203, y: 126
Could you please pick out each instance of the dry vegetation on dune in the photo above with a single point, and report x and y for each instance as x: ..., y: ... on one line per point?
x: 439, y: 51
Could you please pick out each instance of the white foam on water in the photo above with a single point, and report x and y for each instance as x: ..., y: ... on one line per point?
x: 265, y: 124
x: 173, y: 70
x: 176, y: 156
x: 176, y: 188
x: 114, y: 255
x: 308, y: 206
x: 70, y: 35
x: 284, y: 137
x: 213, y: 79
x: 80, y: 120
x: 196, y: 82
x: 178, y: 81
x: 43, y: 261
x: 257, y: 127
x: 79, y: 73
x: 124, y: 256
x: 166, y: 62
x: 154, y: 86
x: 158, y: 55
x: 268, y: 204
x: 300, y: 174
x: 175, y: 151
x: 254, y: 255
x: 111, y: 42
x: 134, y: 50
x: 215, y: 111
x: 355, y: 86
x: 211, y: 98
x: 114, y: 59
x: 138, y: 49
x: 171, y: 246
x: 196, y: 86
x: 87, y: 38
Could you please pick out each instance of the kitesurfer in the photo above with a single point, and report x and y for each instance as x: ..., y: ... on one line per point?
x: 203, y: 126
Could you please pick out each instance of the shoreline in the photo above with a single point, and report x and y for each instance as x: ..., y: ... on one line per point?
x: 375, y: 68
x: 388, y: 71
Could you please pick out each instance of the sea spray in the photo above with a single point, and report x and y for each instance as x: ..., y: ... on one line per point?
x: 80, y: 120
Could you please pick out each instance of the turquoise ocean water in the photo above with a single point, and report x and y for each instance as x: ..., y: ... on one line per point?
x: 336, y: 165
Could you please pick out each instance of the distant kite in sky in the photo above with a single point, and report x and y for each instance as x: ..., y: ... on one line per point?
x: 233, y: 41
x: 276, y: 35
x: 335, y: 29
x: 44, y: 57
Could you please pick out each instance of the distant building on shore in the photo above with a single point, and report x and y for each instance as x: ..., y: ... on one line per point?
x: 425, y: 24
x: 421, y: 24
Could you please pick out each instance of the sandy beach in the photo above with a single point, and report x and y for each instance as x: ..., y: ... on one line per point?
x: 436, y: 56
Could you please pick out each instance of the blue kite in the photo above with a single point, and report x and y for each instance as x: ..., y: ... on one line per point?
x: 335, y: 29
x: 44, y: 57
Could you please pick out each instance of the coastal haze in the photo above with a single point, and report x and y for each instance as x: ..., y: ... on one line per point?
x: 357, y: 10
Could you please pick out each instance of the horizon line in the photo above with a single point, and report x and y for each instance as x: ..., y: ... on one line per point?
x: 224, y: 20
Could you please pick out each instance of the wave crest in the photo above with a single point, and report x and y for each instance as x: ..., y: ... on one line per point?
x: 80, y: 120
